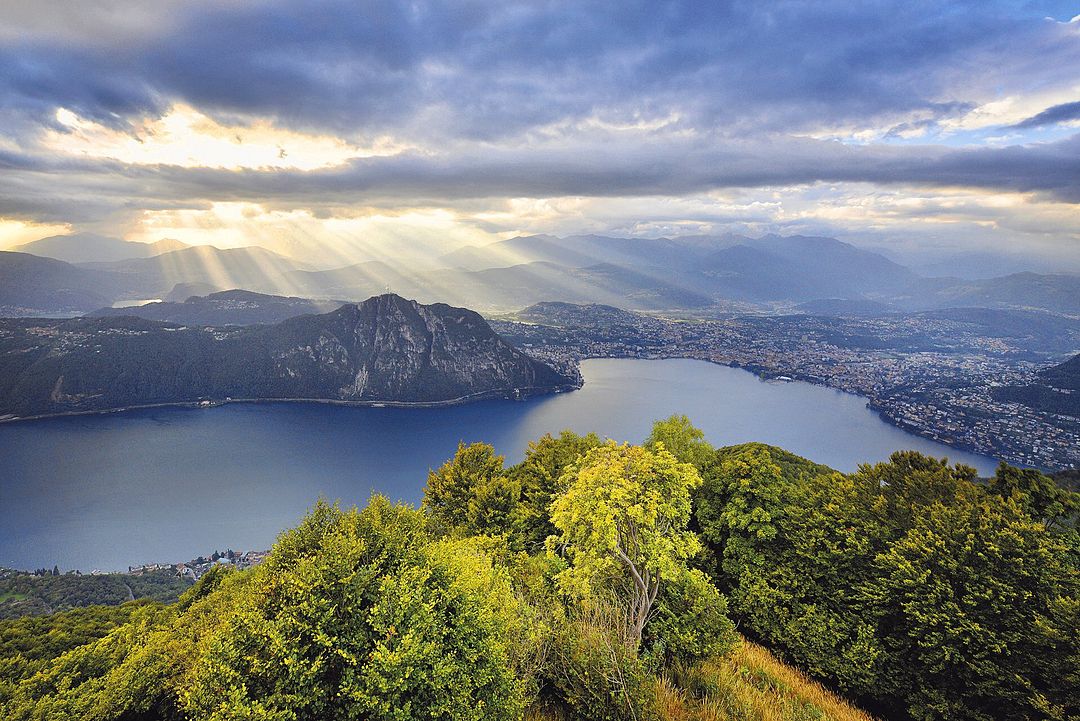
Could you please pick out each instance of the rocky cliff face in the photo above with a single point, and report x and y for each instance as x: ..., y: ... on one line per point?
x: 386, y: 349
x: 389, y: 348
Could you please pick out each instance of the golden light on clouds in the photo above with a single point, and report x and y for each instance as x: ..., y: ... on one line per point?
x: 876, y: 209
x: 187, y: 138
x: 16, y: 232
x: 1012, y: 109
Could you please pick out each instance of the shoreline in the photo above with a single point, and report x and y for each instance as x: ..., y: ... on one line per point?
x: 768, y: 374
x: 516, y: 394
x: 763, y: 373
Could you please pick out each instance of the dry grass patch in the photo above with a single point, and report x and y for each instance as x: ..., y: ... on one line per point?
x: 750, y: 684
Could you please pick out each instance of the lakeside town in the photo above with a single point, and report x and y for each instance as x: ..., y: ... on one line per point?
x: 194, y: 569
x: 932, y: 374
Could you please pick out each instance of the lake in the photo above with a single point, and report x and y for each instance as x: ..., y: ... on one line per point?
x: 106, y: 491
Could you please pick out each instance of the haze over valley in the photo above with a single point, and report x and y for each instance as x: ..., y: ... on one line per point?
x: 703, y: 274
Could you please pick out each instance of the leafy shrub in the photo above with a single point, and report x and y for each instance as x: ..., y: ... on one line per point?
x: 596, y: 674
x: 690, y: 623
x: 362, y: 617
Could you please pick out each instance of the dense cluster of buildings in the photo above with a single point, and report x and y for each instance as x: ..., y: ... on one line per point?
x: 195, y: 568
x: 930, y: 375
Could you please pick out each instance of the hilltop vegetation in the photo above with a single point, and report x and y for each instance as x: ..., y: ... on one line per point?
x: 595, y: 580
x: 23, y: 594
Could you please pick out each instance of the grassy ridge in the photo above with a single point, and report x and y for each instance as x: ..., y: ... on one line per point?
x: 753, y: 684
x: 749, y: 684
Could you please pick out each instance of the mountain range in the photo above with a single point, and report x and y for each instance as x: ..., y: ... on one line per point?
x: 90, y: 248
x: 802, y: 273
x: 229, y: 307
x: 386, y: 350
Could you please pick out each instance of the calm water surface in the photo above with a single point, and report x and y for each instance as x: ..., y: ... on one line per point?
x: 171, y: 484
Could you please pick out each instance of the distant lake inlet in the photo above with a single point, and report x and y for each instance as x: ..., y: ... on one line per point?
x: 169, y: 484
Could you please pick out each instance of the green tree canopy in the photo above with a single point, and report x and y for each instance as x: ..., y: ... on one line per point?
x: 907, y: 582
x: 622, y: 523
x: 682, y: 439
x: 356, y: 614
x: 472, y: 493
x: 538, y: 476
x: 1044, y: 498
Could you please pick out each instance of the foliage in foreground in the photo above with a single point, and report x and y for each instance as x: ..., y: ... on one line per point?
x: 749, y: 684
x: 908, y: 583
x: 599, y: 581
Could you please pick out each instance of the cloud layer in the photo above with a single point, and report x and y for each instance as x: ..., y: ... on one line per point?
x: 110, y: 109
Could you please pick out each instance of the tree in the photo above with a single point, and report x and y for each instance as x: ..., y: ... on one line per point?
x: 538, y: 477
x: 682, y: 440
x: 472, y: 493
x: 355, y: 614
x: 1042, y: 497
x: 369, y: 619
x: 969, y: 603
x: 622, y: 522
x: 907, y: 582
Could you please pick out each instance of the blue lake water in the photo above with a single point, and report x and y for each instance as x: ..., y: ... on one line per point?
x: 103, y: 492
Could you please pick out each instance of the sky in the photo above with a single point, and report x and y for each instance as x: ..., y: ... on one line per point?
x: 346, y: 128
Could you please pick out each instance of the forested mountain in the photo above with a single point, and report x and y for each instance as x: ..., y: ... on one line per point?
x: 30, y: 285
x: 1058, y: 390
x: 1065, y: 376
x: 89, y: 248
x: 386, y: 349
x: 229, y: 307
x: 570, y: 315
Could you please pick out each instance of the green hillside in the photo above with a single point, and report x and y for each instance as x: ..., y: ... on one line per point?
x: 595, y: 580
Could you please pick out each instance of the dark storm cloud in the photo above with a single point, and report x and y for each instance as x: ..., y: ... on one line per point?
x: 1052, y: 116
x: 487, y: 70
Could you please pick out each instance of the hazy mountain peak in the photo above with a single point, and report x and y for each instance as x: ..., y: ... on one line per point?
x: 91, y: 248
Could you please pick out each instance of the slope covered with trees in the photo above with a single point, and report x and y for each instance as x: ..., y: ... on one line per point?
x: 1057, y: 390
x: 45, y: 591
x: 597, y: 580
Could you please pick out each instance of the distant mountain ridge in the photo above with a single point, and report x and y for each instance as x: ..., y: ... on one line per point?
x: 729, y: 267
x: 507, y: 288
x: 386, y: 349
x: 251, y: 268
x: 666, y: 274
x: 228, y: 307
x: 90, y: 247
x: 31, y: 285
x: 1056, y: 292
